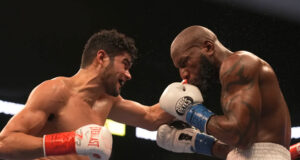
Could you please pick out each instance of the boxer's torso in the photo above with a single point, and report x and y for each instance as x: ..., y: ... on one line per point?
x: 273, y: 123
x: 73, y: 113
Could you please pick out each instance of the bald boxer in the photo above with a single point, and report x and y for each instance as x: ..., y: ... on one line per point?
x: 255, y: 119
x: 64, y: 117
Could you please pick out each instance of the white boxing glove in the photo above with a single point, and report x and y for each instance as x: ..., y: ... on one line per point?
x: 171, y: 139
x: 91, y: 140
x: 184, y: 101
x: 177, y: 98
x: 187, y: 140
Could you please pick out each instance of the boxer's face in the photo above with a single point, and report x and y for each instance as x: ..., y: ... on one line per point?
x: 196, y: 68
x: 116, y: 74
x: 206, y: 75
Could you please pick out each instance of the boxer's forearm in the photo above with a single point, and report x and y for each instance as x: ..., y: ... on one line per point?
x: 160, y: 116
x: 220, y: 149
x: 20, y: 146
x: 224, y: 130
x: 153, y: 118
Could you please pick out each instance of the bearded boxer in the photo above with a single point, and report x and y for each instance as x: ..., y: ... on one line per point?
x: 255, y: 119
x: 63, y: 117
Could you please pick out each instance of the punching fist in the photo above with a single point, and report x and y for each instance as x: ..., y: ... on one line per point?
x: 295, y: 151
x: 177, y: 98
x: 184, y: 140
x: 91, y: 140
x: 184, y: 101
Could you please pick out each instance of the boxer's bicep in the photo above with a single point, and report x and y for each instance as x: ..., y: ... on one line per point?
x: 241, y: 100
x: 241, y: 103
x: 242, y: 110
x: 30, y: 120
x: 21, y: 137
x: 17, y: 140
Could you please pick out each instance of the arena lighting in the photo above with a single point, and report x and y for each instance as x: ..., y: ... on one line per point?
x: 295, y: 132
x: 145, y: 134
x: 11, y: 108
x: 286, y: 9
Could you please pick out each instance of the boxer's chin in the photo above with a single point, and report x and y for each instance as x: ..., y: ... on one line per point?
x: 115, y: 93
x: 203, y: 85
x: 113, y: 90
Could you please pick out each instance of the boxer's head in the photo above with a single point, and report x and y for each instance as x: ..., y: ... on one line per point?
x: 112, y: 42
x: 192, y: 51
x: 117, y: 50
x: 116, y: 74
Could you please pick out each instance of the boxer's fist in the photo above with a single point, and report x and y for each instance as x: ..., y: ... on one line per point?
x: 184, y: 102
x: 177, y: 98
x: 172, y: 139
x: 184, y: 140
x: 295, y: 151
x: 92, y: 140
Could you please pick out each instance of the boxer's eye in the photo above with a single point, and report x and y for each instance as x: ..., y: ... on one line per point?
x: 127, y: 64
x: 183, y: 61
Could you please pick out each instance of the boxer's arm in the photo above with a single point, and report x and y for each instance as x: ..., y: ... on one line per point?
x: 221, y: 149
x: 17, y: 140
x: 136, y: 114
x: 241, y: 103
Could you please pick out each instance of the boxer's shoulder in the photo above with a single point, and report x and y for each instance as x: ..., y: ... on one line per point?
x: 242, y: 57
x: 54, y: 87
x: 241, y: 62
x: 50, y: 93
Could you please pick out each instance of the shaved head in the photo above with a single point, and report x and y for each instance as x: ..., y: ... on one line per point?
x: 191, y: 36
x: 188, y: 53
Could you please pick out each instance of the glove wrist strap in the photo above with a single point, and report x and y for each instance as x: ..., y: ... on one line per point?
x: 59, y: 144
x: 203, y: 144
x: 198, y: 116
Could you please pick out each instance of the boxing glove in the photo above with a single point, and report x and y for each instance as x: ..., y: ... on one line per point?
x: 295, y: 151
x: 187, y: 140
x: 91, y: 140
x: 184, y: 101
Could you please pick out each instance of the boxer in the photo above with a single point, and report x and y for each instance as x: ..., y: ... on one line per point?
x: 255, y: 120
x: 63, y: 117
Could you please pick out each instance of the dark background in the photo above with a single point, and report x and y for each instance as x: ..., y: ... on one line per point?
x: 43, y: 39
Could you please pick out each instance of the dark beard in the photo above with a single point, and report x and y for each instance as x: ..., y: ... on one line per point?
x: 109, y: 80
x: 208, y: 77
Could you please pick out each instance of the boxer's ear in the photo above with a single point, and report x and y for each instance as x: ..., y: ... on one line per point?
x: 209, y: 47
x: 102, y: 57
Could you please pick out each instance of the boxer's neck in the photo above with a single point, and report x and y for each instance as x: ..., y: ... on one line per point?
x: 88, y: 84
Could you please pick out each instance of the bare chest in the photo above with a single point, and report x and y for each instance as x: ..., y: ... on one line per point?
x: 77, y: 113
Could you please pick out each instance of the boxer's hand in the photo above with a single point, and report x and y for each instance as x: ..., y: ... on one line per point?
x: 184, y: 102
x: 174, y: 140
x: 92, y: 140
x: 177, y: 98
x: 184, y: 140
x: 295, y: 151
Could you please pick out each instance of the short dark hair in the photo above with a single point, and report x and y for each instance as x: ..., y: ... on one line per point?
x: 112, y: 41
